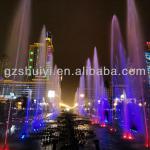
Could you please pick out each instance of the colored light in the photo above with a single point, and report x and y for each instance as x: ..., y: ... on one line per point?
x: 30, y: 59
x: 31, y: 53
x: 5, y: 148
x: 124, y: 136
x: 140, y: 104
x: 82, y: 95
x: 103, y: 125
x: 146, y: 145
x: 99, y: 101
x: 128, y: 136
x: 30, y: 67
x: 51, y: 94
x: 23, y: 136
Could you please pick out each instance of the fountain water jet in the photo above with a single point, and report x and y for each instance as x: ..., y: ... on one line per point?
x: 88, y: 80
x: 136, y: 58
x: 96, y: 82
x: 17, y: 46
x: 120, y: 83
x: 81, y: 92
x: 40, y: 97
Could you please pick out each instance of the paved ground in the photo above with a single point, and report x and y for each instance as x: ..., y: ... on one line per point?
x: 107, y: 141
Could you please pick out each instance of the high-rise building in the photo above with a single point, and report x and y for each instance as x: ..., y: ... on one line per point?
x: 147, y: 57
x: 34, y: 55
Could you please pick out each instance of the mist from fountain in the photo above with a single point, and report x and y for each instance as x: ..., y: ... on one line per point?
x: 17, y: 46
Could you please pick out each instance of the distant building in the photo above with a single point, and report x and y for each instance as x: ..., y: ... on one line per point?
x: 3, y: 65
x: 33, y: 83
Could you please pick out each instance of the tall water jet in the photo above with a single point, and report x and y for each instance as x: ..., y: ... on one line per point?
x: 135, y: 49
x: 81, y: 95
x: 96, y: 81
x: 77, y: 101
x: 89, y: 80
x: 57, y: 88
x: 40, y: 96
x: 120, y: 83
x: 17, y: 46
x: 103, y: 103
x: 136, y: 60
x: 118, y: 58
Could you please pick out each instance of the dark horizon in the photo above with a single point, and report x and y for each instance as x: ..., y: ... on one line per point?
x: 77, y: 27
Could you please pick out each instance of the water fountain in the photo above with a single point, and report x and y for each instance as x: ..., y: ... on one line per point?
x: 136, y: 60
x: 89, y: 81
x: 81, y: 96
x: 132, y: 91
x: 120, y: 83
x: 100, y: 96
x: 40, y: 96
x: 57, y: 89
x: 17, y: 45
x: 91, y: 95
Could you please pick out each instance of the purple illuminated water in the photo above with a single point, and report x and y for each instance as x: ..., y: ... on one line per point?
x: 129, y: 89
x: 89, y: 80
x: 96, y: 83
x: 135, y: 49
x: 118, y: 58
x: 136, y: 60
x: 120, y: 83
x: 40, y: 96
x: 100, y: 95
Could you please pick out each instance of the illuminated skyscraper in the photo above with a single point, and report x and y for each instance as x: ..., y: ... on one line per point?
x: 34, y: 55
x: 147, y: 56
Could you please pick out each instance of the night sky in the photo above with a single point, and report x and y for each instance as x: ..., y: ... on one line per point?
x: 77, y: 26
